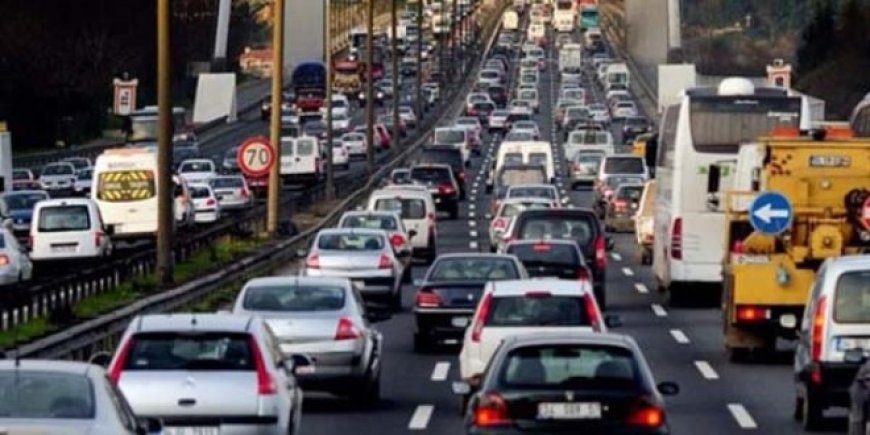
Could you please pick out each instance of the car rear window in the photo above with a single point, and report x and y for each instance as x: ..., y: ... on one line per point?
x: 351, y: 242
x: 513, y: 158
x: 513, y: 209
x: 523, y: 310
x: 452, y: 157
x: 201, y: 351
x: 196, y: 167
x: 34, y: 394
x: 624, y: 165
x: 408, y: 208
x: 533, y: 192
x: 374, y: 222
x: 199, y: 192
x: 227, y: 182
x: 580, y: 229
x: 546, y: 253
x: 539, y: 158
x: 583, y: 367
x: 425, y: 174
x: 449, y: 136
x: 616, y: 181
x: 64, y: 218
x: 294, y: 298
x: 473, y: 269
x: 511, y: 176
x: 852, y: 298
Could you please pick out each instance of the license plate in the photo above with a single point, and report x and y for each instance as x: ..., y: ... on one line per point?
x: 63, y: 249
x: 191, y: 431
x: 459, y: 322
x: 569, y: 411
x: 844, y: 344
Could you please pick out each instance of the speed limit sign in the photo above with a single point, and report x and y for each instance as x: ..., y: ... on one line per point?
x: 256, y: 156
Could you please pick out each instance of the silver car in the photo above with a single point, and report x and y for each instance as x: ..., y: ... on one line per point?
x: 391, y: 222
x: 209, y: 374
x: 498, y: 120
x: 363, y: 255
x: 323, y: 318
x: 232, y: 192
x: 64, y: 397
x: 57, y: 176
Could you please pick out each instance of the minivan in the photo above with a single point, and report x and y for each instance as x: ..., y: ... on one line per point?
x: 300, y: 159
x: 68, y: 228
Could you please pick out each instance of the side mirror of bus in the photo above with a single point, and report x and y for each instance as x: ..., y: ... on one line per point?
x: 714, y: 174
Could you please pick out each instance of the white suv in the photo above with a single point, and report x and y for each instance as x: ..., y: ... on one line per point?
x: 536, y: 306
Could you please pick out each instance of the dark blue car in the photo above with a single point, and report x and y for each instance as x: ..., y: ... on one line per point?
x: 18, y: 206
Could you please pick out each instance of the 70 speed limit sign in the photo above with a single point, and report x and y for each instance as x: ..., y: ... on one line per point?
x: 256, y: 157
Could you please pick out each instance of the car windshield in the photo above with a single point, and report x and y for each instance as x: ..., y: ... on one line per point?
x: 227, y: 182
x: 852, y: 297
x: 36, y: 394
x: 617, y: 181
x: 58, y: 170
x: 408, y: 208
x: 78, y: 163
x: 578, y: 229
x: 196, y: 351
x: 375, y: 222
x: 470, y: 122
x: 351, y: 242
x: 532, y: 192
x: 473, y: 269
x: 624, y: 165
x: 196, y: 167
x: 294, y: 298
x: 23, y: 201
x: 571, y: 367
x: 562, y: 254
x: 449, y: 136
x: 538, y: 309
x: 577, y: 113
x: 353, y: 137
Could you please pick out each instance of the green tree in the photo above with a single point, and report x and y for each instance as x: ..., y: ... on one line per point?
x: 817, y: 39
x: 852, y: 37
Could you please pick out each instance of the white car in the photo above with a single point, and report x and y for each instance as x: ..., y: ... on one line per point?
x: 617, y: 93
x: 599, y: 113
x: 471, y: 123
x: 15, y: 266
x: 340, y: 122
x: 340, y: 156
x: 206, y: 207
x: 197, y: 171
x: 391, y: 222
x: 340, y: 105
x: 531, y: 96
x: 417, y: 209
x: 407, y: 115
x: 624, y: 109
x: 523, y: 307
x: 57, y: 176
x: 355, y: 143
x: 527, y: 126
x: 68, y: 228
x: 84, y: 179
x: 232, y: 192
x: 507, y: 210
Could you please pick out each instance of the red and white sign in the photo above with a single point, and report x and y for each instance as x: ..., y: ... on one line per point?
x: 865, y: 213
x: 256, y: 156
x: 125, y: 96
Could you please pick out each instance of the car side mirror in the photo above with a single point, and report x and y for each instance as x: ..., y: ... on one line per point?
x: 668, y: 388
x: 855, y: 356
x: 149, y: 426
x: 612, y: 321
x: 412, y: 233
x: 101, y: 359
x: 610, y: 244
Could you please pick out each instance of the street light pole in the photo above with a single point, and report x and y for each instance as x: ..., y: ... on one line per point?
x: 419, y: 74
x: 327, y: 60
x: 370, y: 104
x: 275, y: 119
x: 165, y: 190
x: 394, y: 51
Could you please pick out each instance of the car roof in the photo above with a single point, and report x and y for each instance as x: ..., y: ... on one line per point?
x: 188, y: 322
x: 65, y: 201
x: 298, y: 280
x: 347, y: 230
x: 532, y: 186
x: 383, y: 213
x: 56, y: 366
x: 849, y: 263
x: 402, y: 190
x: 519, y: 287
x: 454, y: 255
x: 596, y: 338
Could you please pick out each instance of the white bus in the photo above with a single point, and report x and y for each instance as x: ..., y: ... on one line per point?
x: 564, y: 16
x: 706, y: 127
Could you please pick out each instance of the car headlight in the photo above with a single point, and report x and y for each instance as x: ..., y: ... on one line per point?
x: 380, y: 95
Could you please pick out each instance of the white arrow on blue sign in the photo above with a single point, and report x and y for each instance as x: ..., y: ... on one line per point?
x: 771, y: 213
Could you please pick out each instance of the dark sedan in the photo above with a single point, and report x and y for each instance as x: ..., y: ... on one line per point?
x: 447, y: 296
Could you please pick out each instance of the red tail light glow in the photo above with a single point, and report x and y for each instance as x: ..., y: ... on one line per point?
x: 620, y: 205
x: 117, y: 366
x: 446, y: 189
x: 245, y: 193
x: 313, y: 261
x: 677, y: 239
x: 499, y: 224
x: 426, y: 298
x: 346, y: 330
x: 210, y: 202
x: 542, y: 247
x: 818, y: 328
x: 98, y: 238
x: 751, y: 314
x: 385, y: 262
x: 480, y: 320
x: 491, y: 410
x: 583, y: 274
x: 592, y: 312
x: 265, y: 383
x: 397, y: 240
x: 601, y: 253
x: 647, y: 416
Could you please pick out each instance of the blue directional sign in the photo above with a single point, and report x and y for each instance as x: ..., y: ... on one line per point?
x: 771, y: 213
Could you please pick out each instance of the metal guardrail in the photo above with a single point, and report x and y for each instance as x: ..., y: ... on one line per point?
x: 83, y: 340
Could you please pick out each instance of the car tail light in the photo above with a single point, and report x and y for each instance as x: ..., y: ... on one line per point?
x: 737, y: 247
x: 542, y: 247
x: 346, y: 330
x: 117, y: 365
x: 98, y: 238
x: 313, y: 261
x: 462, y: 175
x: 499, y: 224
x: 649, y: 416
x: 210, y: 202
x: 446, y: 189
x: 480, y: 320
x: 265, y: 383
x: 601, y: 253
x: 426, y: 298
x: 397, y: 240
x: 4, y: 260
x: 385, y: 262
x: 592, y: 312
x: 751, y: 314
x: 431, y: 218
x: 491, y: 410
x: 583, y: 274
x: 620, y: 205
x: 818, y: 328
x: 677, y: 239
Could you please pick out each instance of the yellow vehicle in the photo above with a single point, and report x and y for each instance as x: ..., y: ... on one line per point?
x: 638, y: 148
x: 346, y: 77
x: 766, y: 278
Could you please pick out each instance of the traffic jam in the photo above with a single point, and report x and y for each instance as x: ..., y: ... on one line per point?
x: 554, y: 258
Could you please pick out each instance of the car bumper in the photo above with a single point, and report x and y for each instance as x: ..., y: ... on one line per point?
x: 526, y: 429
x: 206, y: 216
x: 442, y: 324
x: 226, y: 424
x: 837, y: 378
x: 369, y: 283
x: 232, y: 204
x: 335, y: 362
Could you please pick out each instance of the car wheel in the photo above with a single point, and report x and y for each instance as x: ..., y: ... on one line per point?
x: 811, y: 412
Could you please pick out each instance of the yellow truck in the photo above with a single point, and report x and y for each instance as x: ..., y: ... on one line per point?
x: 346, y: 77
x: 825, y: 175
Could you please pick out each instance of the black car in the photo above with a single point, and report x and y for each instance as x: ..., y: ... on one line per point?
x: 498, y: 94
x: 441, y: 183
x: 578, y: 224
x: 448, y: 294
x: 633, y: 127
x: 551, y: 258
x: 408, y: 68
x: 595, y: 383
x: 266, y: 105
x: 448, y: 155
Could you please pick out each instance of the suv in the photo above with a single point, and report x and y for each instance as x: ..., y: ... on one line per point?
x: 442, y: 185
x: 578, y: 224
x: 448, y: 155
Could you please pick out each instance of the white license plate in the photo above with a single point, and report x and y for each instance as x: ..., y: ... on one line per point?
x: 853, y: 343
x: 459, y: 322
x: 63, y: 249
x: 191, y: 431
x: 569, y: 411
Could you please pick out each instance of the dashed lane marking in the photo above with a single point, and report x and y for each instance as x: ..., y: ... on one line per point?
x: 472, y: 244
x: 627, y: 272
x: 472, y: 234
x: 471, y: 214
x: 641, y: 288
x: 616, y: 256
x: 420, y: 419
x: 439, y: 373
x: 679, y: 336
x: 659, y: 310
x: 706, y: 370
x: 744, y: 419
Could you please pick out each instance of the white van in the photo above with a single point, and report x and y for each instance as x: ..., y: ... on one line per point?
x: 537, y: 33
x: 68, y: 228
x: 530, y: 153
x: 587, y: 140
x: 417, y: 209
x: 300, y: 159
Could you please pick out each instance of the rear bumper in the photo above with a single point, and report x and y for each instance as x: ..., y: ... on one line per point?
x: 837, y: 379
x: 442, y: 324
x: 228, y: 424
x: 683, y: 271
x: 383, y: 285
x: 206, y: 216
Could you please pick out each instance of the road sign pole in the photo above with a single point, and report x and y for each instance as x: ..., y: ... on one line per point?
x: 274, y: 198
x: 419, y: 100
x: 327, y: 60
x: 165, y: 218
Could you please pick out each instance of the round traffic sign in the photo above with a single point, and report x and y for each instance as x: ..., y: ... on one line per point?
x: 865, y: 214
x: 256, y: 156
x: 771, y: 213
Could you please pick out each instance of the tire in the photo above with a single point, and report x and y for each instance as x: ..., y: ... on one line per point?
x: 811, y: 412
x: 432, y: 254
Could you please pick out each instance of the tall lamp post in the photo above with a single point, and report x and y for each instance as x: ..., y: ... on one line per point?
x: 370, y: 105
x: 419, y: 99
x: 327, y: 61
x: 394, y: 55
x: 165, y: 216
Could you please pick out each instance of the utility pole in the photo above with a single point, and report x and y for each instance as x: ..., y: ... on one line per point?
x: 274, y: 198
x: 327, y: 60
x: 454, y: 26
x: 394, y: 51
x: 370, y: 104
x: 165, y: 218
x: 419, y: 74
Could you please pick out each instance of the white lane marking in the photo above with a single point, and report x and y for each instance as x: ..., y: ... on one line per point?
x: 421, y: 417
x: 616, y: 256
x: 744, y: 419
x: 472, y: 244
x: 471, y: 206
x: 627, y: 272
x: 471, y: 214
x: 474, y: 191
x: 641, y: 288
x: 706, y: 370
x: 679, y: 336
x: 472, y: 223
x: 473, y: 234
x: 439, y: 373
x: 659, y: 310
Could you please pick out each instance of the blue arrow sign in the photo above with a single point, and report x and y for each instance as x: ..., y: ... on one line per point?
x: 770, y: 213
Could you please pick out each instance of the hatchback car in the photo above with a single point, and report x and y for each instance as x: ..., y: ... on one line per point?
x: 438, y: 178
x: 567, y: 383
x: 323, y: 318
x: 15, y: 265
x: 197, y: 171
x: 584, y: 167
x: 206, y: 207
x: 447, y: 295
x: 507, y: 210
x: 57, y: 177
x: 363, y: 255
x: 209, y: 374
x: 391, y: 222
x: 232, y: 192
x: 355, y: 144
